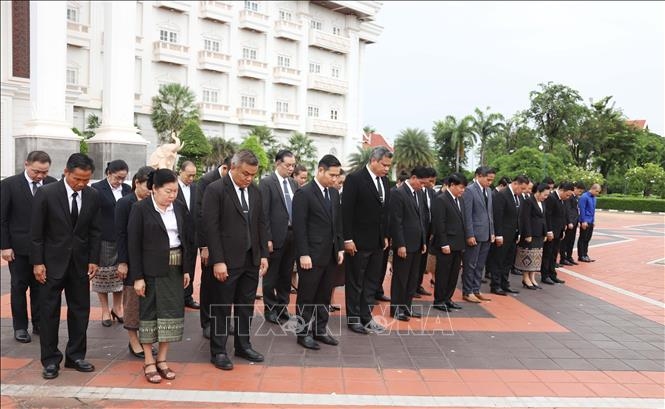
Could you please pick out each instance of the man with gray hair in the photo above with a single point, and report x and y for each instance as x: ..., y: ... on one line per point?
x: 365, y: 218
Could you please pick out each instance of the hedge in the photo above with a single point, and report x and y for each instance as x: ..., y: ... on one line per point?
x: 637, y: 204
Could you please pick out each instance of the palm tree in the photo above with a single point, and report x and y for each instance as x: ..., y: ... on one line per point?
x: 172, y: 108
x: 412, y: 148
x: 221, y: 149
x: 268, y: 141
x: 359, y: 159
x: 303, y: 149
x: 460, y: 134
x: 484, y: 127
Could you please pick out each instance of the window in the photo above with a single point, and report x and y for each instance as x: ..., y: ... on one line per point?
x: 335, y: 72
x: 249, y: 53
x: 72, y: 76
x: 210, y: 95
x: 252, y: 5
x: 282, y: 106
x: 283, y: 61
x: 312, y: 111
x: 211, y: 45
x: 247, y: 101
x: 333, y: 114
x: 337, y: 31
x: 168, y: 36
x: 315, y: 24
x: 315, y: 68
x: 72, y: 14
x: 285, y: 15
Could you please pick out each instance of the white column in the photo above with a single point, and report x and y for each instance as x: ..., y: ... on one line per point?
x: 353, y: 129
x: 118, y: 100
x: 303, y: 65
x: 48, y: 62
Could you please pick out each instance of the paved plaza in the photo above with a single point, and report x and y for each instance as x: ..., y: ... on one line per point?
x: 597, y: 341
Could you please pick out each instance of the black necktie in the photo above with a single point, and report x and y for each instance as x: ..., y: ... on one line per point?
x: 75, y: 209
x: 35, y: 185
x: 457, y: 203
x: 379, y: 188
x: 327, y: 197
x: 485, y: 195
x: 517, y: 201
x: 415, y: 197
x: 245, y: 212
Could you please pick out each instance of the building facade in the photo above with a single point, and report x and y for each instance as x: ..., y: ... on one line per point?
x: 293, y: 66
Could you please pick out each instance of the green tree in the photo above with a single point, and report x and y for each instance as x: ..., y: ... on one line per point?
x: 458, y: 133
x: 531, y: 162
x: 196, y: 145
x: 220, y: 150
x: 412, y: 148
x: 443, y: 149
x: 555, y: 108
x: 359, y: 158
x: 253, y: 144
x: 304, y: 150
x: 648, y: 179
x: 485, y: 125
x: 650, y: 148
x: 171, y: 109
x: 267, y: 140
x: 92, y: 124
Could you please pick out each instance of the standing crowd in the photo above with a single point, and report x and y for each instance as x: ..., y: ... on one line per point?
x: 140, y: 243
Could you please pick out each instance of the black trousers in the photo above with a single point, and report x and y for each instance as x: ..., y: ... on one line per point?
x: 422, y: 266
x: 550, y: 251
x: 405, y: 281
x: 362, y: 280
x: 446, y: 275
x: 77, y: 293
x: 382, y: 276
x: 314, y: 287
x: 583, y: 241
x: 239, y: 292
x: 499, y: 262
x: 22, y: 278
x: 567, y: 243
x: 277, y: 281
x: 204, y: 295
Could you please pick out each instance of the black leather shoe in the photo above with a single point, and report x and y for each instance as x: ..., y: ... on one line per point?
x: 565, y: 262
x: 80, y: 365
x: 400, y: 316
x: 416, y: 295
x: 271, y: 316
x: 35, y: 329
x: 107, y: 323
x: 440, y: 307
x: 498, y: 291
x: 557, y: 265
x: 284, y: 316
x: 572, y: 262
x: 333, y: 308
x: 222, y: 362
x: 140, y: 354
x: 206, y: 332
x: 50, y: 371
x: 326, y: 339
x: 558, y: 281
x: 422, y: 291
x: 357, y: 328
x: 190, y: 303
x: 249, y: 354
x: 413, y: 314
x: 484, y: 281
x: 308, y: 342
x: 547, y: 280
x: 453, y: 305
x: 374, y: 327
x: 382, y: 298
x: 585, y: 259
x: 21, y: 335
x: 510, y: 290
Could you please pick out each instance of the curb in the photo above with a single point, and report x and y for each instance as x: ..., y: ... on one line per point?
x: 628, y: 211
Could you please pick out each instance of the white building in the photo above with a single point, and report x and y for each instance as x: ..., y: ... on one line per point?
x: 288, y: 65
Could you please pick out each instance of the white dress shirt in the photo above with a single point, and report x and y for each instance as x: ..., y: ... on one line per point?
x: 237, y: 189
x: 39, y: 184
x: 186, y: 192
x: 79, y: 199
x: 117, y: 191
x: 170, y: 222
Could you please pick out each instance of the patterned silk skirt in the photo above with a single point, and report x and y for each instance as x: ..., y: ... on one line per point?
x: 106, y: 280
x: 162, y: 310
x: 529, y: 256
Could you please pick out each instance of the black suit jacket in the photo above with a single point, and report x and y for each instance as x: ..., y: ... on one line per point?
x: 317, y: 231
x: 108, y: 207
x: 408, y: 219
x: 226, y: 225
x: 54, y: 240
x: 572, y: 211
x: 364, y: 217
x: 532, y: 220
x: 122, y: 210
x: 16, y: 203
x: 428, y: 211
x: 506, y: 216
x: 274, y: 208
x: 148, y: 241
x: 555, y: 214
x: 192, y: 198
x: 207, y: 179
x: 447, y: 224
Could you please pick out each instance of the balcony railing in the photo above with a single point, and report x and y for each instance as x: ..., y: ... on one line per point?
x: 214, y: 61
x: 326, y: 127
x: 180, y: 6
x: 214, y: 112
x: 78, y: 34
x: 285, y: 120
x: 77, y: 87
x: 251, y: 116
x: 327, y: 84
x: 217, y: 11
x: 288, y: 29
x: 252, y: 69
x: 332, y: 42
x: 252, y: 20
x: 286, y: 75
x: 170, y: 52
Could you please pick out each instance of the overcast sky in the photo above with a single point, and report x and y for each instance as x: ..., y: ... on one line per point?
x: 447, y: 58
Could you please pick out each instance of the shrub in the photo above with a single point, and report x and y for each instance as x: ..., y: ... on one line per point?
x: 638, y: 204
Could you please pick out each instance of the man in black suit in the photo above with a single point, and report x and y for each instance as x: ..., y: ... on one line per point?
x: 448, y: 240
x: 187, y: 196
x: 573, y: 215
x: 365, y: 218
x: 16, y: 196
x: 428, y: 189
x: 317, y: 228
x: 506, y: 228
x: 238, y: 249
x: 201, y: 241
x: 408, y: 220
x: 277, y: 190
x: 66, y: 238
x: 556, y: 219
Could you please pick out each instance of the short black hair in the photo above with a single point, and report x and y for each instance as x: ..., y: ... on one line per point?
x: 484, y: 171
x: 116, y: 166
x: 521, y: 179
x: 227, y: 161
x: 329, y: 161
x: 540, y: 187
x: 299, y: 168
x: 431, y: 172
x: 548, y: 180
x: 80, y: 161
x: 580, y: 185
x: 284, y: 153
x: 160, y: 177
x: 38, y: 156
x: 141, y: 175
x: 402, y: 176
x: 456, y: 179
x: 420, y: 172
x: 565, y: 186
x: 504, y: 181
